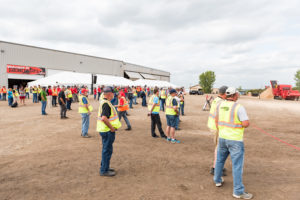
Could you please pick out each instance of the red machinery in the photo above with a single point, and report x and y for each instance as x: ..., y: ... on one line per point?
x: 284, y: 91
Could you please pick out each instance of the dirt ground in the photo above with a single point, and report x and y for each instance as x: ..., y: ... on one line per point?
x: 44, y: 157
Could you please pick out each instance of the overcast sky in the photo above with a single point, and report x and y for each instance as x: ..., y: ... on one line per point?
x: 245, y: 42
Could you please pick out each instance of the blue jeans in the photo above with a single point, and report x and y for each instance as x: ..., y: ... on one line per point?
x: 10, y: 101
x: 85, y: 123
x: 236, y: 151
x: 130, y: 103
x: 144, y: 103
x: 95, y: 96
x: 162, y: 104
x: 44, y: 104
x: 108, y: 139
x: 182, y: 109
x: 123, y: 114
x: 69, y: 102
x: 4, y: 96
x: 177, y: 122
x: 27, y: 95
x: 34, y: 99
x: 134, y: 98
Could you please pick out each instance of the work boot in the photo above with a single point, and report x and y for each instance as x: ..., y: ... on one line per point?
x: 163, y: 136
x: 108, y: 173
x: 128, y: 129
x: 243, y: 196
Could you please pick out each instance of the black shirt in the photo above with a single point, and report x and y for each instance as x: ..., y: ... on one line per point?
x: 106, y: 111
x: 63, y: 96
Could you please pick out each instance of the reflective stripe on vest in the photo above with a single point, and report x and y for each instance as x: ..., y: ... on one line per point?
x: 212, y: 113
x: 125, y: 106
x: 113, y: 119
x: 69, y: 94
x: 82, y: 107
x: 230, y: 127
x: 163, y: 94
x: 150, y: 104
x: 54, y: 92
x: 170, y: 109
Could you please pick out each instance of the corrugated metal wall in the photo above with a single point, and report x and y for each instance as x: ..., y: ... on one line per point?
x: 24, y: 55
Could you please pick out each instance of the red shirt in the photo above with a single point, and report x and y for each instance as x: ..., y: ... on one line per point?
x: 95, y: 91
x: 121, y: 101
x: 50, y: 92
x: 58, y: 90
x: 99, y: 90
x: 75, y: 91
x: 125, y: 90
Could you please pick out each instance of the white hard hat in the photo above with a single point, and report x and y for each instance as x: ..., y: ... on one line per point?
x: 231, y: 91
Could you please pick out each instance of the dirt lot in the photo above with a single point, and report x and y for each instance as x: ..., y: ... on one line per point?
x: 43, y: 157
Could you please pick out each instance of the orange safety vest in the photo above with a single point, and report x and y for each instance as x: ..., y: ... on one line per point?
x: 54, y: 92
x: 4, y: 90
x: 125, y: 106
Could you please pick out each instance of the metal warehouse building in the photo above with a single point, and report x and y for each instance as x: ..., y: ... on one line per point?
x: 20, y: 64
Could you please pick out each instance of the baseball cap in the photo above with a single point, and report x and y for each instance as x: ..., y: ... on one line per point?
x: 231, y: 91
x: 173, y: 91
x: 222, y: 90
x: 108, y: 89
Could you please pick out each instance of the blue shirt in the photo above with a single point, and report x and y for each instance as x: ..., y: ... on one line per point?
x: 155, y: 101
x: 10, y: 94
x: 84, y: 101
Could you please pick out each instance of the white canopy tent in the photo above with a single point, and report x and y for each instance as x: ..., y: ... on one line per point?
x: 154, y: 83
x: 108, y: 80
x: 74, y: 78
x: 64, y: 78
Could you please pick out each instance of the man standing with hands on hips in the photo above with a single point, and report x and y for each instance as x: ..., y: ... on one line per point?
x: 107, y: 124
x: 231, y: 120
x: 85, y: 109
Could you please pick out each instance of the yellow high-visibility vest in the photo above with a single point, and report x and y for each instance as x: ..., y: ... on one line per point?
x: 230, y: 127
x: 34, y: 90
x: 113, y: 119
x: 150, y: 104
x: 212, y: 113
x: 170, y: 108
x: 39, y: 90
x: 69, y: 94
x: 163, y: 94
x: 82, y: 108
x: 27, y: 90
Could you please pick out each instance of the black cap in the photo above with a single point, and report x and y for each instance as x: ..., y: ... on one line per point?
x: 108, y: 89
x: 173, y: 91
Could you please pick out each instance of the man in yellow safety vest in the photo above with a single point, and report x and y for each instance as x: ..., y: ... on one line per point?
x: 211, y: 122
x: 154, y: 108
x: 171, y: 114
x: 163, y: 96
x: 35, y: 94
x: 231, y: 120
x: 85, y: 109
x: 107, y: 124
x: 69, y: 97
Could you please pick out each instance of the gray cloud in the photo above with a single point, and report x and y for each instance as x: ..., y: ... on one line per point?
x: 245, y: 42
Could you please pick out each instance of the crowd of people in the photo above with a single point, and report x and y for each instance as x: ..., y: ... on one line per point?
x: 227, y: 119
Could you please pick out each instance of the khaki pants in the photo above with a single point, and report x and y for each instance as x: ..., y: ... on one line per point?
x: 216, y: 139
